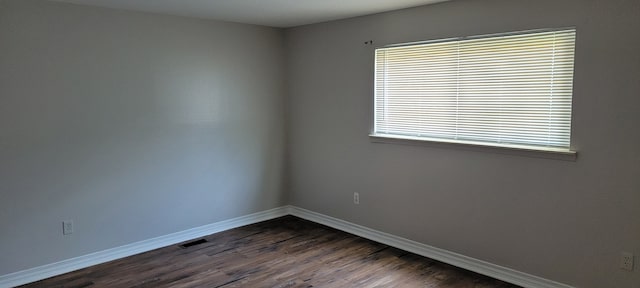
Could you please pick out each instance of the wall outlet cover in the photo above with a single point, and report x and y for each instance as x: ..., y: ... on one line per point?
x: 626, y: 261
x: 67, y: 227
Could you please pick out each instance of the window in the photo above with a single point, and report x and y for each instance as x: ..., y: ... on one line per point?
x: 508, y: 90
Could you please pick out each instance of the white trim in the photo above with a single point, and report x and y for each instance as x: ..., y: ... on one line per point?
x: 65, y: 266
x: 458, y: 260
x: 520, y: 150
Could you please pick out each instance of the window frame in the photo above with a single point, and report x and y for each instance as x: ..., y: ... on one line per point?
x: 569, y: 153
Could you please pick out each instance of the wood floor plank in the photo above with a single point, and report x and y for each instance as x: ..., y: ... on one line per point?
x: 287, y: 252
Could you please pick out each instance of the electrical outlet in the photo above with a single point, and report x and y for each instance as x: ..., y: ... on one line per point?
x: 356, y: 198
x: 67, y: 227
x: 626, y: 261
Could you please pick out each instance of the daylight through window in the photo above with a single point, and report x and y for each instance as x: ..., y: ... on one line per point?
x: 501, y: 90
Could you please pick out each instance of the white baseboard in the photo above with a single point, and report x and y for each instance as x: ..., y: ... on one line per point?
x: 58, y: 268
x: 458, y: 260
x: 475, y: 265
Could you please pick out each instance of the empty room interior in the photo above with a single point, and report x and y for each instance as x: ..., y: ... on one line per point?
x: 433, y: 135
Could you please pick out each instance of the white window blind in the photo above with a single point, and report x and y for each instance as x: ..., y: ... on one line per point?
x: 500, y: 90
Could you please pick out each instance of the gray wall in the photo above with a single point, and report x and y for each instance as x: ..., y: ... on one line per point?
x: 137, y: 125
x: 133, y: 125
x: 566, y: 221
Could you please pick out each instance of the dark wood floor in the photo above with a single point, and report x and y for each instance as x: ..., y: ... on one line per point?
x: 284, y: 252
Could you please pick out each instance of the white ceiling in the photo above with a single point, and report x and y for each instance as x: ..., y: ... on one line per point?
x: 276, y: 13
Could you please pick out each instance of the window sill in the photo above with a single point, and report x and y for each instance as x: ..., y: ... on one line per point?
x: 549, y: 153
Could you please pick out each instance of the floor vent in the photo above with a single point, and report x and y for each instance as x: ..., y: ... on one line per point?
x: 193, y: 243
